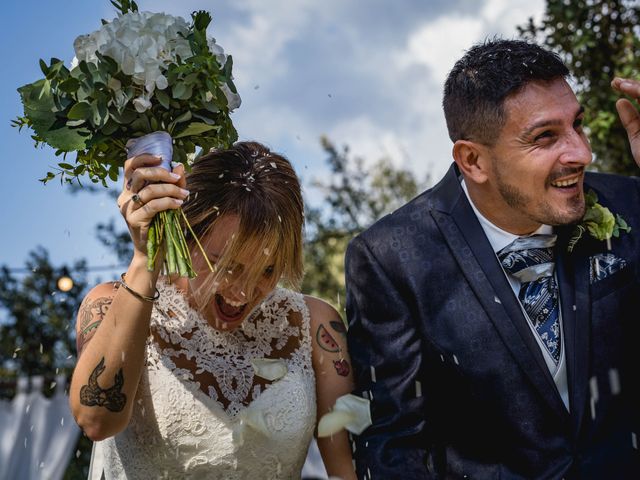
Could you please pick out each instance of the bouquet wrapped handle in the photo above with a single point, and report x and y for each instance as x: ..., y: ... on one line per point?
x: 158, y: 143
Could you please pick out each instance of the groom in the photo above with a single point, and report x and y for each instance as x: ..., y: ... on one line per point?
x: 490, y: 342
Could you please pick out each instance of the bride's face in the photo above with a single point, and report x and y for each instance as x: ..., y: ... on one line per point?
x: 235, y: 294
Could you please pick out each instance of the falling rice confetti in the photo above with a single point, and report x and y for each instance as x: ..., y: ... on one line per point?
x: 418, y: 389
x: 455, y: 360
x: 614, y: 381
x: 373, y: 373
x: 41, y: 349
x: 53, y: 385
x: 273, y: 165
x: 634, y: 440
x: 593, y: 386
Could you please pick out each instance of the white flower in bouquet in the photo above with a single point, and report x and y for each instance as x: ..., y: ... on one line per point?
x: 138, y: 74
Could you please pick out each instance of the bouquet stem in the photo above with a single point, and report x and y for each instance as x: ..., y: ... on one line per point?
x: 165, y: 233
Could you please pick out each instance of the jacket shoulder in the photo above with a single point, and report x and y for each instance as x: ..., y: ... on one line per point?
x: 412, y: 212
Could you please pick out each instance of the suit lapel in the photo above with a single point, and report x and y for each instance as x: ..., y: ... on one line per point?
x: 477, y: 260
x: 573, y: 279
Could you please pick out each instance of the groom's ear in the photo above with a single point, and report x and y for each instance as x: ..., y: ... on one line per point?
x: 473, y: 160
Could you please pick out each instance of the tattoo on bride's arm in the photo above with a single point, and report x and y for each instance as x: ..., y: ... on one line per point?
x: 91, y: 395
x: 329, y: 344
x: 90, y: 315
x: 326, y: 341
x: 339, y: 326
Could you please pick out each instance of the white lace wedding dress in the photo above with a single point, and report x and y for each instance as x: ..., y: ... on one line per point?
x: 201, y: 411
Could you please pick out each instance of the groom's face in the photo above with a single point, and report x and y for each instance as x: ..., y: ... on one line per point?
x: 537, y: 164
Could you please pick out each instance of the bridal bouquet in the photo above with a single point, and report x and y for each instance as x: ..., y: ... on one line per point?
x: 142, y: 73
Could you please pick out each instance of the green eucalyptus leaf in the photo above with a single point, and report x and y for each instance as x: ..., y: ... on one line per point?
x: 80, y: 111
x: 195, y: 128
x: 100, y: 113
x: 185, y: 117
x: 182, y: 91
x: 110, y: 127
x: 163, y: 98
x: 44, y: 67
x: 178, y: 90
x: 70, y: 85
x: 125, y: 117
x: 67, y: 139
x: 205, y: 119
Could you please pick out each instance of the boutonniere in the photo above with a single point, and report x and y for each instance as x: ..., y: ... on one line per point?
x: 599, y: 222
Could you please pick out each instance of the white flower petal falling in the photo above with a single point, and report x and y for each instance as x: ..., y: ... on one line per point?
x: 350, y: 412
x: 269, y: 368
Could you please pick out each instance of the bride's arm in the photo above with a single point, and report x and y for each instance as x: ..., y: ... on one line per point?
x: 116, y: 320
x: 111, y: 329
x: 332, y: 367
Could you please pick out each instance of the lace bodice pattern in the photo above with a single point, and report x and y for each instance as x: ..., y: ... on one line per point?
x: 202, y: 410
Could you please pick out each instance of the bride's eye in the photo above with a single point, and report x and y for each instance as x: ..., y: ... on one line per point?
x: 268, y: 271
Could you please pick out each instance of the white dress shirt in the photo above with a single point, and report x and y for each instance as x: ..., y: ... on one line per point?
x: 499, y: 239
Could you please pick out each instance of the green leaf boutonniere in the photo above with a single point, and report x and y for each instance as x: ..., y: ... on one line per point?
x: 598, y: 221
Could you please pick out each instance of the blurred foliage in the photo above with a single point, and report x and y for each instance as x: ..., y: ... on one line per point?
x: 598, y: 40
x: 355, y: 195
x: 37, y: 331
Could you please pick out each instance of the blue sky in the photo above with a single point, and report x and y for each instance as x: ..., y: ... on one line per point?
x: 365, y: 73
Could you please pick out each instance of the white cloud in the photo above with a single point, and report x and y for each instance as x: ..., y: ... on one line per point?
x: 439, y: 43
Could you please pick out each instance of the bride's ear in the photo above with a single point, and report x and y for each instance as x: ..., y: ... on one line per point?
x: 472, y: 159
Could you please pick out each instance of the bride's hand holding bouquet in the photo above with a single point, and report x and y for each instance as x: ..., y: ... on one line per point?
x: 144, y: 83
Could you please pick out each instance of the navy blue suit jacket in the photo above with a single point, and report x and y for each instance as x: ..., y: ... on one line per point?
x: 458, y: 385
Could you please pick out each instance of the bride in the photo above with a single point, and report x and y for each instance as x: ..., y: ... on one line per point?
x: 224, y: 375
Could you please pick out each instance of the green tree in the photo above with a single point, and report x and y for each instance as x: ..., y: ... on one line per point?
x: 37, y: 330
x: 36, y: 334
x: 353, y: 198
x: 597, y: 40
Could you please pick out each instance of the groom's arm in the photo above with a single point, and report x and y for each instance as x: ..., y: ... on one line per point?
x: 386, y: 352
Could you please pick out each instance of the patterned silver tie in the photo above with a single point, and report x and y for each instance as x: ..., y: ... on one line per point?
x: 530, y: 260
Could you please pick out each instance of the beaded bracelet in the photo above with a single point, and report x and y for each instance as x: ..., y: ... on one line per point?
x: 138, y: 295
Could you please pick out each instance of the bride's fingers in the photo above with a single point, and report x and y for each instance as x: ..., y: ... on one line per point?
x: 179, y: 170
x: 157, y: 190
x: 144, y: 160
x: 147, y: 211
x: 143, y: 176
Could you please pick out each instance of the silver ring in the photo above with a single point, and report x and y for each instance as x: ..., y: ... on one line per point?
x: 136, y: 198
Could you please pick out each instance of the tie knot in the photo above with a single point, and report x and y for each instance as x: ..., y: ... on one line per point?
x: 529, y: 258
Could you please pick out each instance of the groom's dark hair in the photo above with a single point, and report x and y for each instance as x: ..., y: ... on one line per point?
x: 480, y: 82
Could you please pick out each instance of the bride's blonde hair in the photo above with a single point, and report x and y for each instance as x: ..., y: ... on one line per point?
x: 261, y: 188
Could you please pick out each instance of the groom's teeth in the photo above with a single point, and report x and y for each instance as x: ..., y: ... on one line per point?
x: 565, y: 183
